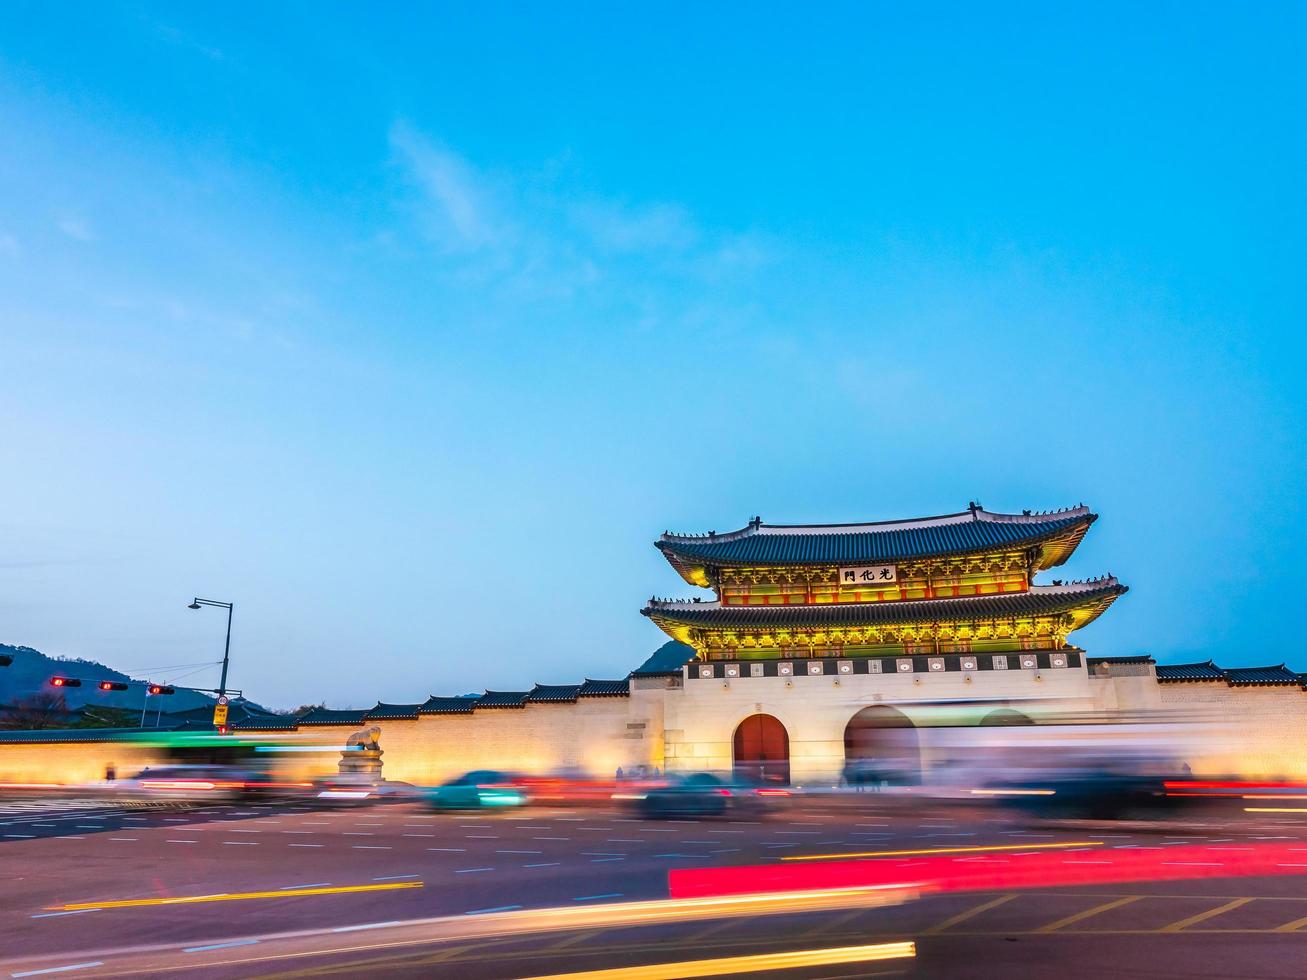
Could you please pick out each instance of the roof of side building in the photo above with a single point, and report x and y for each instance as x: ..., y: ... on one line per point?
x: 1267, y: 676
x: 334, y: 716
x: 1206, y: 671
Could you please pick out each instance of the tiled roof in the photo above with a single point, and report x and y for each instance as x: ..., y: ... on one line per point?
x: 967, y: 532
x: 1234, y: 676
x: 1143, y: 658
x: 263, y: 723
x: 1206, y: 671
x: 554, y: 693
x: 332, y: 716
x: 667, y: 659
x: 1039, y: 600
x: 384, y: 712
x: 1279, y: 674
x: 503, y: 699
x: 605, y: 689
x: 448, y: 706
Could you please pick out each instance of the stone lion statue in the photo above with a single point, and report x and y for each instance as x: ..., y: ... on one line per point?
x: 362, y: 753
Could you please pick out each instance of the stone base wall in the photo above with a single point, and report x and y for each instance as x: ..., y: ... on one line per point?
x: 701, y: 720
x: 74, y: 763
x: 594, y: 736
x: 689, y: 725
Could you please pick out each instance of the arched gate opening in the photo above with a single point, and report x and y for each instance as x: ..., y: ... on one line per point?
x: 762, y: 750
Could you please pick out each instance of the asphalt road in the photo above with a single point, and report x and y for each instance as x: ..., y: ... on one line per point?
x: 83, y: 883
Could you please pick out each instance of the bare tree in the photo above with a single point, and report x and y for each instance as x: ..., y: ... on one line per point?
x: 45, y: 709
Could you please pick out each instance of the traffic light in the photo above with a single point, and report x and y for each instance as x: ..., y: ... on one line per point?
x: 223, y: 729
x: 5, y: 660
x: 65, y: 682
x: 160, y: 689
x: 112, y: 686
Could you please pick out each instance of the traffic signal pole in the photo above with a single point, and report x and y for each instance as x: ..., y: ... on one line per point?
x: 226, y: 653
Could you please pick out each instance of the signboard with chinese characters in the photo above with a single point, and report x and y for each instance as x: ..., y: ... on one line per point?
x: 869, y: 575
x: 220, y: 714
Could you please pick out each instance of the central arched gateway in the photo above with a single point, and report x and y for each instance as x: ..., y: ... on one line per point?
x: 762, y: 750
x: 880, y: 745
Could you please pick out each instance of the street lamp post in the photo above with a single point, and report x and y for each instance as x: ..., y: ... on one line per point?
x: 226, y: 650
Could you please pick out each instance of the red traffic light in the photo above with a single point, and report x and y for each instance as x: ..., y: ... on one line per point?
x: 160, y: 689
x: 222, y: 729
x: 65, y: 682
x: 112, y: 686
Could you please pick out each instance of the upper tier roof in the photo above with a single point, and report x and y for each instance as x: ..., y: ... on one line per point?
x: 971, y: 531
x: 1040, y: 600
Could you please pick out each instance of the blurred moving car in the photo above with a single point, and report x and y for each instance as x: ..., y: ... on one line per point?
x: 699, y: 794
x: 359, y: 789
x: 479, y: 789
x: 1091, y: 794
x: 194, y: 782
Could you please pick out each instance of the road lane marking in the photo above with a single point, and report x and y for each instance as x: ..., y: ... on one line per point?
x: 976, y: 849
x: 1293, y: 926
x: 543, y: 864
x: 497, y: 908
x: 756, y: 963
x: 460, y: 850
x: 316, y: 884
x: 1204, y: 916
x: 234, y: 942
x: 1088, y: 913
x: 55, y: 915
x: 519, y: 852
x: 393, y: 877
x: 595, y: 898
x: 964, y: 916
x: 245, y: 843
x: 369, y: 925
x: 235, y: 897
x: 58, y: 969
x: 468, y: 871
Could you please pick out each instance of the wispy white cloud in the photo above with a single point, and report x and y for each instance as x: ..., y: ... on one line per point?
x: 462, y: 213
x: 75, y: 227
x: 529, y: 234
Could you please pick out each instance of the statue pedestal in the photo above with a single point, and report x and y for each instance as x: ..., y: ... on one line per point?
x: 360, y: 762
x: 360, y: 759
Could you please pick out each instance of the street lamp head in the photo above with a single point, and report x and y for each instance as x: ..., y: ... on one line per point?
x: 193, y: 605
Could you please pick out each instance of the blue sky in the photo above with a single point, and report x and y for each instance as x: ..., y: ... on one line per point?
x: 410, y: 331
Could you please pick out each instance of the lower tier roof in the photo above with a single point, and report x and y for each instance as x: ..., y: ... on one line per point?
x: 1039, y: 600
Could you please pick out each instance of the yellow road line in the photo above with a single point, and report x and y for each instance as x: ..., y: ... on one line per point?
x: 746, y: 964
x: 1293, y: 926
x: 964, y: 916
x: 234, y: 897
x: 1275, y: 809
x: 1087, y: 913
x: 1204, y: 916
x: 943, y: 850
